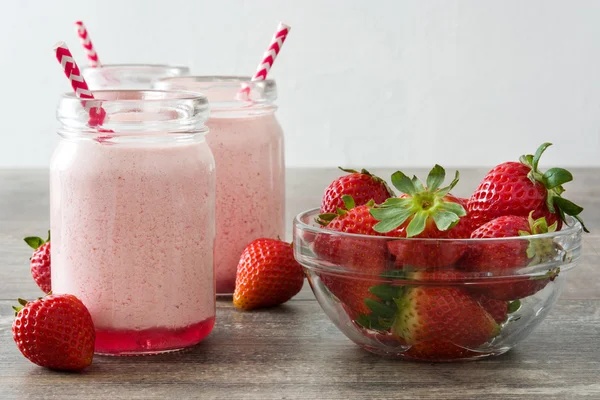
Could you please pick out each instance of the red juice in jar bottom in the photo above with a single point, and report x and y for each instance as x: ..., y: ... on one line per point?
x: 151, y: 341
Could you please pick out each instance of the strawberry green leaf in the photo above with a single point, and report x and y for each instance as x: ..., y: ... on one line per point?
x: 47, y: 240
x: 350, y: 171
x: 325, y: 219
x: 514, y: 306
x: 385, y: 292
x: 531, y: 250
x: 403, y: 183
x: 540, y: 225
x: 418, y: 184
x: 526, y: 159
x: 454, y: 208
x: 417, y: 225
x: 420, y: 203
x: 436, y: 177
x: 34, y: 242
x: 445, y: 220
x: 390, y: 219
x: 396, y: 201
x: 582, y: 224
x: 388, y: 212
x: 555, y: 177
x: 395, y: 273
x: 538, y: 154
x: 383, y: 324
x: 348, y: 201
x: 567, y: 206
x: 364, y: 321
x: 373, y: 322
x: 447, y: 189
x: 379, y: 309
x: 327, y: 216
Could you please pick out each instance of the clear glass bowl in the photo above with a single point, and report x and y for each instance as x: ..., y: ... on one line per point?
x: 435, y: 299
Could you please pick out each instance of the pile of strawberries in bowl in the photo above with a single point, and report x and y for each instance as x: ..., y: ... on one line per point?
x: 425, y: 275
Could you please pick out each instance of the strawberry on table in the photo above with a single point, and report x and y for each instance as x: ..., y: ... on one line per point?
x: 362, y: 186
x: 424, y: 212
x: 40, y: 262
x: 55, y: 331
x: 267, y: 275
x: 517, y: 188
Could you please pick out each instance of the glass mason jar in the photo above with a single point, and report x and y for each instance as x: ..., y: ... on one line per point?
x: 247, y: 142
x: 129, y: 76
x: 132, y: 219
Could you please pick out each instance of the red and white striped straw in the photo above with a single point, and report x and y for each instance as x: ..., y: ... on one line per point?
x: 86, y: 42
x: 271, y: 53
x: 80, y: 87
x: 268, y: 58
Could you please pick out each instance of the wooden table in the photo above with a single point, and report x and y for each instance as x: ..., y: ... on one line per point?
x: 294, y: 351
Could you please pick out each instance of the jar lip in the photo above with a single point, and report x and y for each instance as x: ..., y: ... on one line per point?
x: 179, y: 68
x: 129, y: 111
x: 226, y: 93
x: 224, y: 80
x: 129, y: 96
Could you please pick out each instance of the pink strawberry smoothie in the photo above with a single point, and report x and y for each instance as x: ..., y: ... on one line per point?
x: 133, y: 235
x: 247, y: 143
x: 248, y: 154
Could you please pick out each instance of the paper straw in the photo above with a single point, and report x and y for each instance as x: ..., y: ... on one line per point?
x: 269, y: 56
x: 80, y: 87
x: 271, y: 53
x: 86, y: 42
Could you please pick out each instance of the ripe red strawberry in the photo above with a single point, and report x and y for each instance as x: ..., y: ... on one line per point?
x: 362, y: 186
x: 424, y: 213
x: 55, y: 331
x: 438, y: 320
x: 353, y: 253
x: 351, y: 291
x: 517, y: 188
x: 359, y: 254
x: 515, y: 287
x: 267, y: 275
x: 498, y: 309
x: 503, y: 257
x: 40, y: 262
x: 500, y: 256
x: 448, y: 278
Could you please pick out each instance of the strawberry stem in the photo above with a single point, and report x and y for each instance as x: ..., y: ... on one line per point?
x: 420, y: 204
x: 553, y: 179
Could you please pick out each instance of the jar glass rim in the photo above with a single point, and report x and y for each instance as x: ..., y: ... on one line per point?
x: 227, y: 93
x: 175, y: 68
x: 134, y: 110
x: 128, y: 96
x: 222, y: 80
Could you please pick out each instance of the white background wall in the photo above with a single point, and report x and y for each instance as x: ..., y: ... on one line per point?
x: 361, y: 83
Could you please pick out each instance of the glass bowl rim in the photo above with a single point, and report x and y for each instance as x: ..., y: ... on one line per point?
x: 570, y: 228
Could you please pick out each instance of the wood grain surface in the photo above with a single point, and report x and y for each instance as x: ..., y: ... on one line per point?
x: 294, y: 351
